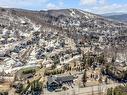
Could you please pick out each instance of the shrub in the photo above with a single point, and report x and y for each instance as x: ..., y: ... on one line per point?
x: 27, y: 71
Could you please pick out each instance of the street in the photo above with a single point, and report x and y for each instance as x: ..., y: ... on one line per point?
x: 93, y: 90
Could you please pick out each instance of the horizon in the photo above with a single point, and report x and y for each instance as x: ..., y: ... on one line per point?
x: 103, y: 14
x: 94, y: 6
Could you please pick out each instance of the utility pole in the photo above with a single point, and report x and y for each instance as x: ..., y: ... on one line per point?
x: 92, y: 91
x: 99, y: 89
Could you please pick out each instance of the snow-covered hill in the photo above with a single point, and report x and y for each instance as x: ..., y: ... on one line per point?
x: 74, y: 23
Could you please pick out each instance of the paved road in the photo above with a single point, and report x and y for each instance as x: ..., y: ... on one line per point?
x: 93, y: 90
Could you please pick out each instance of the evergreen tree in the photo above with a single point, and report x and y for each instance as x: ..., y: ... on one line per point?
x: 109, y: 91
x: 84, y: 78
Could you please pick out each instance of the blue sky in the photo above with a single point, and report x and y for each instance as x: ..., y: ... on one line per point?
x: 95, y: 6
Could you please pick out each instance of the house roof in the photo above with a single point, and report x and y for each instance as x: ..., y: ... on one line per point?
x: 60, y: 79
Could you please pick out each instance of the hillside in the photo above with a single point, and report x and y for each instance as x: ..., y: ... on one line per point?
x: 55, y: 47
x: 73, y: 23
x: 120, y: 17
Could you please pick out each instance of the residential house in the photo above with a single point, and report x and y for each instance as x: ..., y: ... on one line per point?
x: 55, y: 82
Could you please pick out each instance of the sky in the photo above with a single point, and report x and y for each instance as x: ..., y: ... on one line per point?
x: 94, y: 6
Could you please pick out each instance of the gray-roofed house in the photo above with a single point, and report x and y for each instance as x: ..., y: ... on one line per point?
x: 55, y: 82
